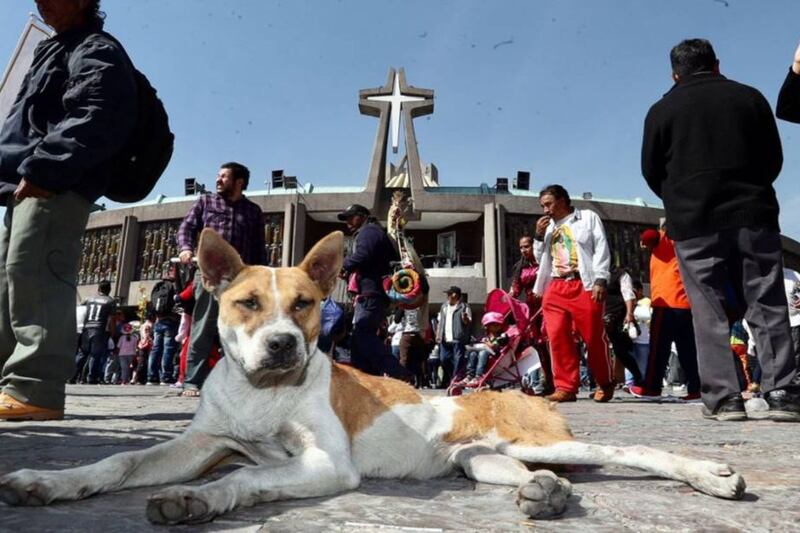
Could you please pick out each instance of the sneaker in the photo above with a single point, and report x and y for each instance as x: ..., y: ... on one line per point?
x: 151, y: 383
x: 560, y: 396
x: 605, y: 393
x: 645, y: 394
x: 784, y: 405
x: 13, y: 409
x: 729, y: 409
x: 691, y: 397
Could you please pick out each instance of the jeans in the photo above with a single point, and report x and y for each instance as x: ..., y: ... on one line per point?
x: 162, y: 355
x: 453, y: 358
x: 640, y: 355
x: 476, y: 365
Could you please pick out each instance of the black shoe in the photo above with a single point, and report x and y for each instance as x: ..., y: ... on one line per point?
x: 729, y: 409
x: 784, y: 404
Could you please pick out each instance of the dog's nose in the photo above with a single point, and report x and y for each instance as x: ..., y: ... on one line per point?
x: 281, y: 344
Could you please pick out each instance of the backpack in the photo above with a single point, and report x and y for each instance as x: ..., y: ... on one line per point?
x: 138, y: 165
x: 162, y: 298
x: 332, y: 317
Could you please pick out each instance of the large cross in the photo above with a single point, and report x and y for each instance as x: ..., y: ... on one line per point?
x: 395, y: 100
x: 394, y: 103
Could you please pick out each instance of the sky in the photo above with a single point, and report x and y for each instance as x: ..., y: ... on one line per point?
x: 559, y: 88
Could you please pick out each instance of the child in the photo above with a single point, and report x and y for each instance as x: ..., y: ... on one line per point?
x: 126, y: 350
x: 496, y: 337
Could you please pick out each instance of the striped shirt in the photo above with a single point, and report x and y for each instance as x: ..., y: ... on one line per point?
x: 240, y: 223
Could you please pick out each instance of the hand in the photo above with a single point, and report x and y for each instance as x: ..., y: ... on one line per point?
x: 628, y: 319
x: 26, y: 189
x: 599, y: 293
x: 796, y: 64
x: 541, y: 225
x: 185, y: 256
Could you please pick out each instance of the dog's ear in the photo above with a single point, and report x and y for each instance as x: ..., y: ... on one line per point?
x: 324, y: 261
x: 219, y: 261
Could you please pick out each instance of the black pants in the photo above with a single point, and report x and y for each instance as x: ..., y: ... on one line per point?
x: 668, y: 325
x: 91, y: 353
x: 622, y: 344
x: 368, y: 352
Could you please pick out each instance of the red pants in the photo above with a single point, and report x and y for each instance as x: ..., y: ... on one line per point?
x: 567, y: 306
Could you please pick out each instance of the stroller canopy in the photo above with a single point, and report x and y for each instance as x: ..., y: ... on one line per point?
x: 498, y: 301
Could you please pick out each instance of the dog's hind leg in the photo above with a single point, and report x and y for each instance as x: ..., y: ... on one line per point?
x: 311, y: 474
x: 706, y: 476
x: 181, y: 459
x: 541, y: 493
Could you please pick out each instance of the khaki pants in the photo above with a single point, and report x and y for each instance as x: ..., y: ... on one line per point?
x: 39, y: 253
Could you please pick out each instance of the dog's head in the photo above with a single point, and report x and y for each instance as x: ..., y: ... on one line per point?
x: 269, y: 318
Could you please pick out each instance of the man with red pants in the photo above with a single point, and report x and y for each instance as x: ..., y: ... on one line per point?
x: 572, y: 251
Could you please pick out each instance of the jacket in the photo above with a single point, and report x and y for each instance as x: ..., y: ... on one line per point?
x: 594, y: 257
x: 711, y: 152
x: 76, y: 109
x: 461, y: 331
x: 788, y: 106
x: 371, y: 258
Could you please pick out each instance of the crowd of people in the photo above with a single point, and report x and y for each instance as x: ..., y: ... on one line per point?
x: 718, y: 289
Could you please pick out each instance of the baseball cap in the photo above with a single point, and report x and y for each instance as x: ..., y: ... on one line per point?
x: 353, y: 210
x: 649, y: 237
x: 453, y: 289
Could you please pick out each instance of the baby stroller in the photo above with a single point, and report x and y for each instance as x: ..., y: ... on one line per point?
x: 516, y: 358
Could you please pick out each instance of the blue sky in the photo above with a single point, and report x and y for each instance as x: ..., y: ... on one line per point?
x: 556, y: 87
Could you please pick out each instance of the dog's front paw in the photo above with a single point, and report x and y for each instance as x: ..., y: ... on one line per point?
x: 178, y: 505
x: 25, y: 487
x: 544, y: 496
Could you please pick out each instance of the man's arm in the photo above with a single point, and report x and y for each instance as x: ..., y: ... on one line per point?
x: 601, y: 259
x: 771, y: 152
x: 189, y: 229
x: 788, y: 107
x: 100, y: 104
x: 654, y: 168
x: 628, y: 295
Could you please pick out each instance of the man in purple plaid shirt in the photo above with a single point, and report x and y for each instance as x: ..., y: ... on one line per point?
x: 240, y: 222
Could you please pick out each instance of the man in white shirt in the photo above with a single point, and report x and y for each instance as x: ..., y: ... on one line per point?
x: 571, y: 248
x: 453, y: 334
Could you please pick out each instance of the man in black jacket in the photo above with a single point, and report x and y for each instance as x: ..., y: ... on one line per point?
x: 711, y: 152
x: 74, y: 112
x: 370, y: 261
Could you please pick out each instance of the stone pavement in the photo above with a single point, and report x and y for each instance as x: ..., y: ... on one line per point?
x: 102, y: 420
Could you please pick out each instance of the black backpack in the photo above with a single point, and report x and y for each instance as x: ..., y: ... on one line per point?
x: 137, y: 167
x: 162, y: 298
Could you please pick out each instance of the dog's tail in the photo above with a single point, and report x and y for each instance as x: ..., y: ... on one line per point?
x: 711, y: 478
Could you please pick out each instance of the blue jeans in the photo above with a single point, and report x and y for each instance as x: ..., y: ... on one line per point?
x: 640, y: 355
x: 160, y: 362
x: 453, y: 358
x: 476, y: 365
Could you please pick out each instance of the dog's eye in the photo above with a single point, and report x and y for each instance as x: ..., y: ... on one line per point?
x: 301, y: 304
x: 249, y: 303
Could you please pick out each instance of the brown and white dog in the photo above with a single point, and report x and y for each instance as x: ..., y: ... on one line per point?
x: 308, y: 427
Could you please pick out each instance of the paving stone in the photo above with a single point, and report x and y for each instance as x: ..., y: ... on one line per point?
x: 102, y: 420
